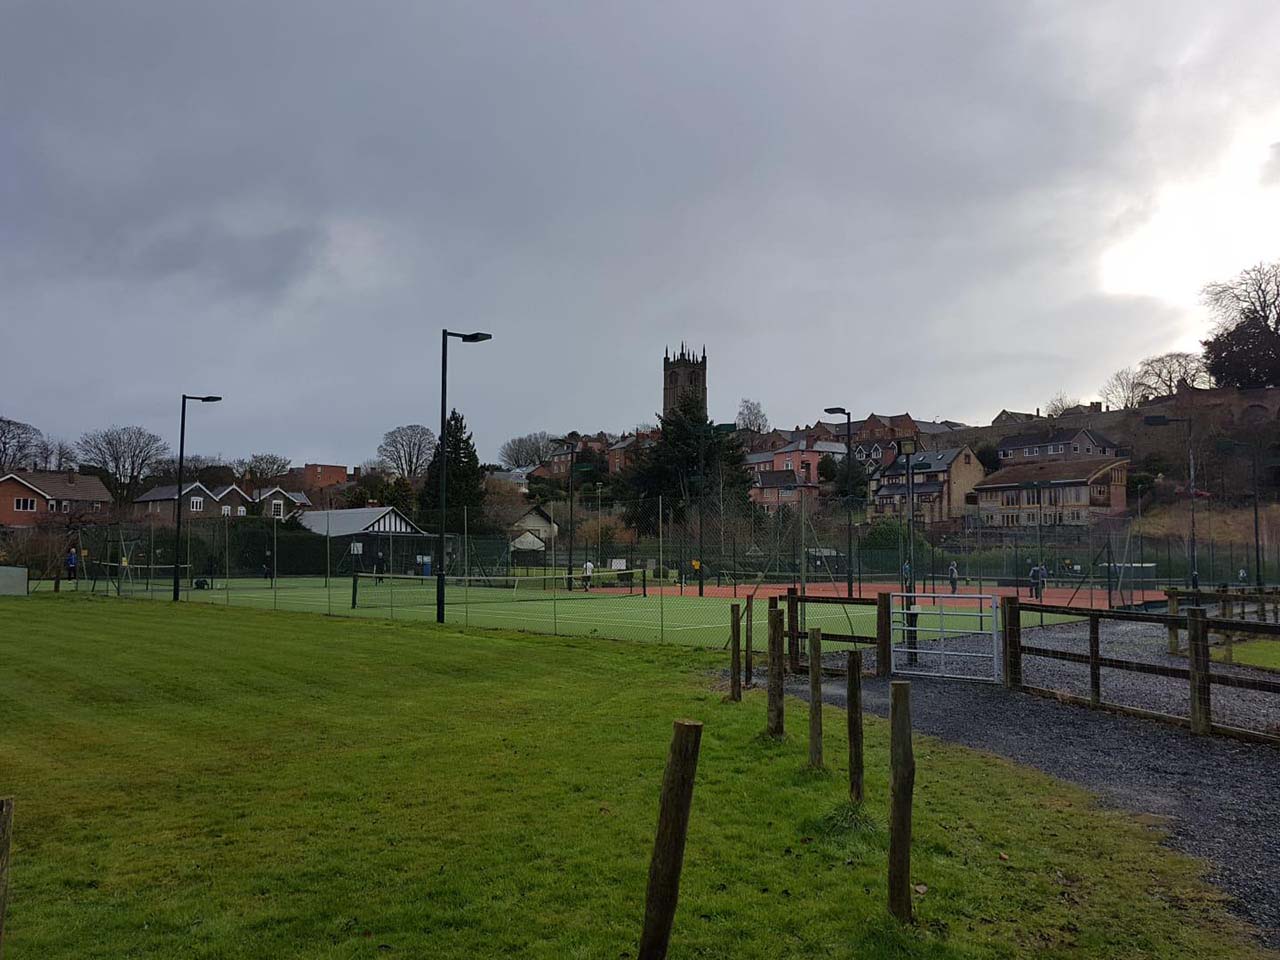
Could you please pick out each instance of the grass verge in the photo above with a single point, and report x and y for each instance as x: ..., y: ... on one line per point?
x: 219, y: 782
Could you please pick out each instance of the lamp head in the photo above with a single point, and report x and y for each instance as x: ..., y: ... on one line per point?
x: 209, y: 399
x: 837, y: 410
x: 475, y: 337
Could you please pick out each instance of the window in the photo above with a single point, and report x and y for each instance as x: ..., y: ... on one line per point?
x: 226, y: 510
x: 197, y: 504
x: 240, y: 511
x: 1075, y: 448
x: 1004, y: 454
x: 1088, y: 449
x: 1035, y: 451
x: 786, y: 465
x: 968, y: 458
x: 1026, y: 451
x: 24, y: 504
x: 277, y: 508
x: 53, y: 506
x: 97, y: 505
x: 66, y: 506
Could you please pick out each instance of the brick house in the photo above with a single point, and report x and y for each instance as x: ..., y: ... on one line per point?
x: 29, y: 496
x: 280, y: 503
x: 773, y: 489
x: 623, y: 453
x: 315, y: 476
x: 943, y: 481
x: 1053, y: 493
x: 199, y: 501
x: 1066, y: 443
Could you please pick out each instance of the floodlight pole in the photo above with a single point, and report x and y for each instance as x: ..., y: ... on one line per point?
x: 445, y: 334
x: 177, y: 500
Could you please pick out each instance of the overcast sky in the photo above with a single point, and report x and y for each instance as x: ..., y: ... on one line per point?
x: 944, y: 208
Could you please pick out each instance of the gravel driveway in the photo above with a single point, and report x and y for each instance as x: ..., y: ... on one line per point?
x: 1221, y: 797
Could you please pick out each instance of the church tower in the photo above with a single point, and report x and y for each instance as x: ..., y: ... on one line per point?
x: 683, y: 374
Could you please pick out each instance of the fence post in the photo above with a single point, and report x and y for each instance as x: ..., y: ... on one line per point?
x: 1011, y: 627
x: 748, y: 671
x: 793, y: 630
x: 815, y: 697
x: 775, y: 728
x: 902, y: 779
x: 1172, y: 594
x: 6, y: 831
x: 668, y: 846
x: 735, y: 653
x: 355, y: 580
x: 884, y: 635
x: 1198, y: 661
x: 853, y: 709
x: 1095, y: 670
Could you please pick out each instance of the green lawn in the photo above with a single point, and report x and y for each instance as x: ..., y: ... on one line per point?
x: 1253, y: 653
x: 199, y: 781
x: 684, y: 619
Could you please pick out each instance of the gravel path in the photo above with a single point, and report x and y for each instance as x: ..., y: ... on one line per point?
x: 1220, y: 797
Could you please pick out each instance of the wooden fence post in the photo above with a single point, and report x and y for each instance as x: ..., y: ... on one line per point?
x: 884, y: 635
x: 793, y: 630
x: 775, y: 727
x: 1198, y: 661
x: 853, y: 707
x: 748, y: 671
x: 735, y: 652
x: 668, y: 845
x: 902, y: 780
x: 1011, y: 630
x: 815, y: 697
x: 1172, y: 594
x: 355, y: 582
x: 6, y: 831
x: 1095, y: 670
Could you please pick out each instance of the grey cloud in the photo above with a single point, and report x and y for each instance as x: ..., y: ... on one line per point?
x: 1271, y: 171
x: 818, y: 192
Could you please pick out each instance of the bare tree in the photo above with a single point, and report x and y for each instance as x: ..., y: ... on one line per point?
x: 1123, y: 390
x: 1160, y: 375
x: 1059, y: 403
x: 408, y: 450
x: 1253, y: 292
x: 751, y: 416
x: 260, y: 469
x: 19, y: 443
x: 125, y: 454
x: 526, y: 451
x: 56, y: 454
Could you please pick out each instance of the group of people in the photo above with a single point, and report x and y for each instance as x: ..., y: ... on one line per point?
x: 1037, y: 578
x: 953, y: 576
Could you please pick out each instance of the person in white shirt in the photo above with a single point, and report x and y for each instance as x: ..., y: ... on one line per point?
x: 588, y: 568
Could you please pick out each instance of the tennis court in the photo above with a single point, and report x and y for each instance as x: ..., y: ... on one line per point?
x: 621, y: 605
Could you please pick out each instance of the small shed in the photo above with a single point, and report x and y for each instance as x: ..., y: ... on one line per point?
x: 388, y: 540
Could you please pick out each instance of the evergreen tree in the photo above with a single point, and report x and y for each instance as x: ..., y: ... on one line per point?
x: 465, y: 480
x: 691, y: 459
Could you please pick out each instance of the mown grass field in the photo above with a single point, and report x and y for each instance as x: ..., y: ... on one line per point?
x: 199, y: 781
x: 1252, y: 653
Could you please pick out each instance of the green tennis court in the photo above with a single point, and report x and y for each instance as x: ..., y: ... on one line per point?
x: 616, y: 612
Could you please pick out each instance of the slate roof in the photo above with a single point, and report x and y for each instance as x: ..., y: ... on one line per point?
x: 777, y: 478
x: 924, y: 461
x: 1052, y: 471
x: 54, y: 485
x: 348, y: 523
x: 1059, y: 435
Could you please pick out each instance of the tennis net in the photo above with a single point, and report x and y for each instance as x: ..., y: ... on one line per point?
x: 385, y: 589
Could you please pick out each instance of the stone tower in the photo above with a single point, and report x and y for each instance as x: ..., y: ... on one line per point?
x: 683, y: 374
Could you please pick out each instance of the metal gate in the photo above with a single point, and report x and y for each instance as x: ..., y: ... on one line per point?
x: 949, y: 636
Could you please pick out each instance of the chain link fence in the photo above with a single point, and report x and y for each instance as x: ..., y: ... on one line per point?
x: 660, y: 569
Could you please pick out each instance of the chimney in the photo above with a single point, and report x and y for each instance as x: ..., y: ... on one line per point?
x: 71, y: 476
x: 1037, y: 411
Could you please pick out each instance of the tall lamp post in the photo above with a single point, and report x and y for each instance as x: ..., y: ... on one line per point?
x: 177, y: 500
x: 848, y: 495
x: 444, y: 451
x: 907, y: 447
x: 1160, y: 420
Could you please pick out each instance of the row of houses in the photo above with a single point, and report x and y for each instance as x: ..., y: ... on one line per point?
x: 198, y: 501
x: 1051, y: 478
